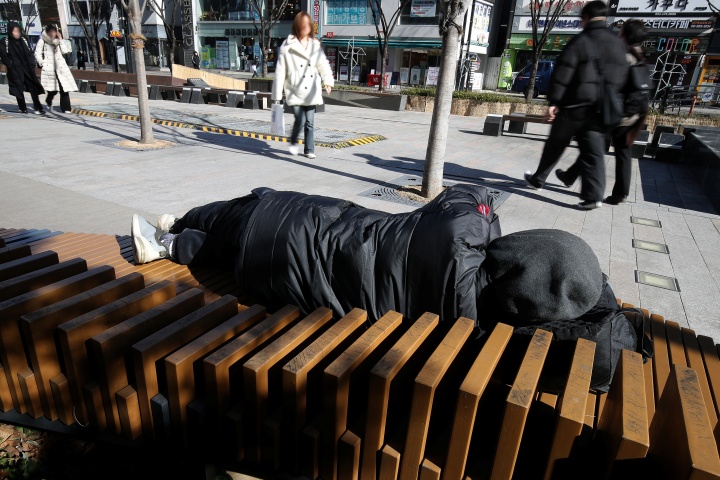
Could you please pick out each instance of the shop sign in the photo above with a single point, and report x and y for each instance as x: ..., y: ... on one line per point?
x: 115, y: 34
x: 316, y: 16
x: 673, y: 44
x: 525, y: 42
x: 671, y: 23
x: 423, y: 8
x: 524, y: 24
x: 660, y: 7
x: 432, y: 75
x: 188, y: 30
x: 480, y: 28
x: 329, y: 34
x: 572, y: 7
x: 3, y: 28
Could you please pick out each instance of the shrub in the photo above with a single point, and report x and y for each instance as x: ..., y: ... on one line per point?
x: 490, y: 97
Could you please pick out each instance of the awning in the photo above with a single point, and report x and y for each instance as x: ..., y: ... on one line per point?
x: 373, y: 43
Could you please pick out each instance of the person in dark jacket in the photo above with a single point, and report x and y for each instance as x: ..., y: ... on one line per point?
x: 196, y: 61
x: 81, y: 59
x: 574, y: 94
x: 312, y: 251
x: 20, y: 62
x: 633, y: 33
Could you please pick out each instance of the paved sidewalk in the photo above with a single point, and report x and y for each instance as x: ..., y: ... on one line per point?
x: 60, y: 173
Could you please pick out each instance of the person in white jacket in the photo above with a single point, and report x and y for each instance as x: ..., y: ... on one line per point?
x: 300, y: 66
x: 56, y: 76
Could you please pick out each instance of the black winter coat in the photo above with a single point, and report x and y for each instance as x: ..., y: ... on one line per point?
x: 314, y: 251
x: 20, y: 67
x: 575, y: 79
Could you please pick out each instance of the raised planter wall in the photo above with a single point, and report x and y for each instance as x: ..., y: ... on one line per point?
x: 213, y: 79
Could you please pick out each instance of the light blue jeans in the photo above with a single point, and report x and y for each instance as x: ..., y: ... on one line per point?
x: 304, y: 115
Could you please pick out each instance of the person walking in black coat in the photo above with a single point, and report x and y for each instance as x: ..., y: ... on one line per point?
x: 20, y: 62
x: 574, y: 94
x: 81, y: 59
x: 196, y: 61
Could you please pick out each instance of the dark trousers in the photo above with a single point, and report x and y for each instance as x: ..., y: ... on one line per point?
x: 579, y: 123
x: 64, y: 99
x: 209, y: 234
x: 304, y: 117
x: 623, y: 164
x: 23, y: 106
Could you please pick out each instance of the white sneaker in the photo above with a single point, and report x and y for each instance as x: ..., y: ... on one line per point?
x: 146, y: 247
x: 311, y: 156
x: 293, y: 149
x: 166, y: 222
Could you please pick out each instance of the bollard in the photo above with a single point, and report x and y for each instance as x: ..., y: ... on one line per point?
x: 493, y: 125
x: 3, y: 78
x: 186, y: 94
x: 119, y: 90
x: 669, y: 147
x: 109, y: 88
x: 196, y: 96
x: 84, y: 86
x: 234, y: 99
x: 154, y: 92
x: 640, y: 144
x: 251, y: 101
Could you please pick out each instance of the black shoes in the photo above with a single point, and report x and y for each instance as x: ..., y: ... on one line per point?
x: 562, y: 176
x: 613, y: 200
x: 531, y: 182
x: 588, y: 205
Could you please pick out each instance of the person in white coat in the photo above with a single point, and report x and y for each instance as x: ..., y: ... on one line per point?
x: 300, y: 67
x: 55, y: 76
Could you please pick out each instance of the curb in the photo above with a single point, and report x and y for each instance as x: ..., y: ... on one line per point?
x: 363, y: 140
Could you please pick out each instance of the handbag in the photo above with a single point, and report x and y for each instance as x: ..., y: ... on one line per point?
x: 277, y: 120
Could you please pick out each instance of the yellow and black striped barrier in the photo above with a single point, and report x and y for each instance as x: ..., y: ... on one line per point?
x: 364, y: 140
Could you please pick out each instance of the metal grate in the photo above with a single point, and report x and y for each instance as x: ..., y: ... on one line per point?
x: 645, y: 221
x: 654, y: 280
x: 389, y: 191
x: 652, y: 246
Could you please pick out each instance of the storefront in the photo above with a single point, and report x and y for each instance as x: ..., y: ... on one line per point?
x: 709, y: 80
x: 155, y: 46
x: 236, y: 45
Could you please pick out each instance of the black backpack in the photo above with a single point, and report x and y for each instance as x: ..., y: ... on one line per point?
x: 637, y: 90
x: 609, y: 102
x: 611, y: 328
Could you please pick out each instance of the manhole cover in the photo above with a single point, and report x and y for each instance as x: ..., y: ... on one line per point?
x: 389, y: 191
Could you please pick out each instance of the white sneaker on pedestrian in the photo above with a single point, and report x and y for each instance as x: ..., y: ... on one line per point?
x: 311, y: 156
x: 146, y: 246
x: 293, y: 149
x: 166, y: 222
x: 587, y: 205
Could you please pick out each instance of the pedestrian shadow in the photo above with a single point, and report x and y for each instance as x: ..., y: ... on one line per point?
x: 464, y: 174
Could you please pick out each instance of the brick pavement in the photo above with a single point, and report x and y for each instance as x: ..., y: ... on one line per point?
x: 53, y: 178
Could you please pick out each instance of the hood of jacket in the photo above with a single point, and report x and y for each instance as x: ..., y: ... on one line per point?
x: 11, y: 26
x: 52, y: 41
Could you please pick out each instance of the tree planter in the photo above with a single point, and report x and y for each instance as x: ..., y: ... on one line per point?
x: 257, y: 85
x: 473, y: 108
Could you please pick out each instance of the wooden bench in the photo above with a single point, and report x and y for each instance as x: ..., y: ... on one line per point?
x: 163, y: 353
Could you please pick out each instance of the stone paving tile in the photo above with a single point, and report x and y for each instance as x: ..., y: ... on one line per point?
x: 707, y: 239
x: 674, y: 223
x: 663, y: 302
x: 654, y: 262
x: 647, y: 233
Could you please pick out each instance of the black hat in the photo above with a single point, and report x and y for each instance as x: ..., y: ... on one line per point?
x: 541, y: 275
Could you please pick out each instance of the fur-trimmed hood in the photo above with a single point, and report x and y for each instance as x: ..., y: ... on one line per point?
x: 50, y: 41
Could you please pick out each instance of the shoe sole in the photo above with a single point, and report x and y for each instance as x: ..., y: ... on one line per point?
x: 140, y: 244
x: 528, y: 184
x: 589, y: 207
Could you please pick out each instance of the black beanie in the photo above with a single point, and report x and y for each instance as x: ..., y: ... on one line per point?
x: 541, y: 275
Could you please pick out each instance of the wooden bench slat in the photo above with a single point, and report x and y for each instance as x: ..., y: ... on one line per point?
x: 661, y: 356
x: 349, y: 456
x: 712, y: 368
x: 39, y: 326
x: 28, y: 264
x: 60, y: 388
x: 695, y: 361
x: 471, y: 390
x: 389, y: 463
x: 426, y: 383
x: 681, y: 439
x: 336, y: 389
x: 129, y: 412
x: 107, y: 347
x: 179, y: 365
x: 14, y: 252
x: 675, y: 343
x: 72, y: 335
x: 256, y: 386
x: 381, y: 377
x: 152, y: 348
x: 571, y: 415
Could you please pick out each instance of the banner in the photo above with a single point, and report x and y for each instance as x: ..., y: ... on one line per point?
x: 685, y: 8
x: 404, y: 75
x: 415, y: 76
x: 432, y: 75
x: 669, y: 23
x: 423, y: 8
x: 568, y: 25
x: 480, y: 28
x: 223, y: 53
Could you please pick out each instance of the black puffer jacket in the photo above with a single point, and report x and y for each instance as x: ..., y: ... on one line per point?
x: 575, y: 79
x: 20, y: 62
x: 314, y: 251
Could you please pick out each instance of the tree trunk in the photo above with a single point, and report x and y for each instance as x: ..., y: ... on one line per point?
x: 437, y: 141
x: 383, y: 65
x: 533, y: 76
x: 138, y: 45
x: 263, y: 56
x: 96, y: 57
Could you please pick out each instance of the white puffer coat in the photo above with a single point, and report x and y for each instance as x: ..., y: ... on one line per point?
x: 55, y: 71
x: 299, y: 71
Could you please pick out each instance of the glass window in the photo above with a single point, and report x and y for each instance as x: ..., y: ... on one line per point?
x: 347, y: 12
x: 83, y: 6
x: 421, y: 12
